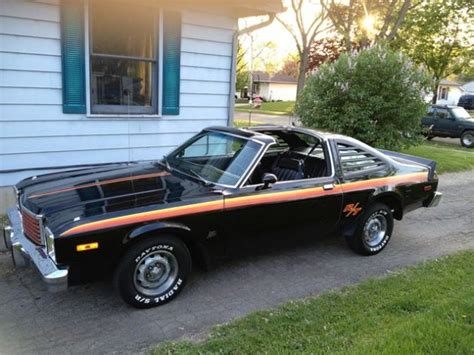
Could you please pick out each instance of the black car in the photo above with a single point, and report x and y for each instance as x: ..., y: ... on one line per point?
x: 449, y: 121
x: 148, y: 222
x: 466, y: 101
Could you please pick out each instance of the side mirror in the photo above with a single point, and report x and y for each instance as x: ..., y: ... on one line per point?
x: 268, y: 180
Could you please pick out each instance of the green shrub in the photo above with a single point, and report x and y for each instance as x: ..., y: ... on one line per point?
x: 376, y: 96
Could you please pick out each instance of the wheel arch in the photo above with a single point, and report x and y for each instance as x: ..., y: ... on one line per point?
x: 393, y: 201
x: 181, y: 231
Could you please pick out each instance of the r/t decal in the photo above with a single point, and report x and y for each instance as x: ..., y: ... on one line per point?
x: 352, y: 209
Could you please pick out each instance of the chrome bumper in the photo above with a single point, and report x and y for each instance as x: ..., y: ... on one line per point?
x: 24, y: 251
x: 434, y: 200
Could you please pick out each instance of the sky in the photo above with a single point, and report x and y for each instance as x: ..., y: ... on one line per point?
x: 276, y: 33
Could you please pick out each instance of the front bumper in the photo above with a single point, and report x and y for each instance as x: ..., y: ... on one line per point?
x: 434, y: 199
x: 25, y: 252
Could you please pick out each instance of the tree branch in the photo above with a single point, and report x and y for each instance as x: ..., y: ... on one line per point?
x: 401, y: 16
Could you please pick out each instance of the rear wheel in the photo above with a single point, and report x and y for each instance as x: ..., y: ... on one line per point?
x: 467, y: 139
x: 373, y: 232
x: 153, y: 271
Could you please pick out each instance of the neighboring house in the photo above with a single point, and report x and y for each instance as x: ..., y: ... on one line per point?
x: 91, y: 82
x: 277, y: 87
x: 468, y: 88
x: 449, y: 92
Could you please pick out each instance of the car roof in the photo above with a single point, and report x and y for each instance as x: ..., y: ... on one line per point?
x: 244, y: 133
x: 313, y: 132
x: 444, y: 106
x: 257, y: 132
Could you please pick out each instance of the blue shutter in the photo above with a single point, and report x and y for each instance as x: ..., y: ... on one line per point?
x: 73, y: 57
x: 171, y: 62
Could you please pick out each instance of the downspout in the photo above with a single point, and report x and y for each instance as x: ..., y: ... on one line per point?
x: 233, y: 66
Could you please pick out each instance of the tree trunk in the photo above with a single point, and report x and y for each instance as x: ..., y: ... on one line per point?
x: 435, y: 93
x: 304, y: 63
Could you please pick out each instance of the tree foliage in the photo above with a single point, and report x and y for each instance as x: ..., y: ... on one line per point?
x: 375, y: 96
x: 327, y: 50
x: 290, y: 66
x: 348, y: 18
x: 242, y: 70
x: 439, y: 35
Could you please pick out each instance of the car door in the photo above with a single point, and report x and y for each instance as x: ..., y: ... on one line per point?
x: 314, y: 202
x: 444, y: 122
x: 428, y: 120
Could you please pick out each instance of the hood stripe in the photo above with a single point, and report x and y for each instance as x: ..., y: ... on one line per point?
x: 105, y: 182
x: 230, y: 203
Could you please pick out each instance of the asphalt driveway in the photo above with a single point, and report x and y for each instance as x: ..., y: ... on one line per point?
x: 91, y: 319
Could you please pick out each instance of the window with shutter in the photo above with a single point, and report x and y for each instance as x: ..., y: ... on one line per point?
x: 355, y: 160
x: 124, y: 45
x: 123, y: 59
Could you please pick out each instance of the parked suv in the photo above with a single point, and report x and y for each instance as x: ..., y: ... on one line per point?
x: 450, y: 121
x: 467, y: 101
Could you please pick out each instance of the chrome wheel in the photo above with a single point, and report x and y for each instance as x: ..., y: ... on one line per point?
x: 467, y: 139
x: 156, y: 273
x: 375, y: 229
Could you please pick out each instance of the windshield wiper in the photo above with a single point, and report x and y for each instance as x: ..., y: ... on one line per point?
x: 206, y: 182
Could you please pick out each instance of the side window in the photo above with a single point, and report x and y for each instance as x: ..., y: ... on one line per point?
x: 442, y: 114
x: 354, y: 159
x: 280, y: 146
x: 431, y: 112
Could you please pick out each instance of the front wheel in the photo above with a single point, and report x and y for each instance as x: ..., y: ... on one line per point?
x: 373, y: 232
x: 467, y: 139
x: 153, y: 271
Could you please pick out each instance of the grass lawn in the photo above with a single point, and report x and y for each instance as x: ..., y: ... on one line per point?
x: 283, y: 108
x: 427, y: 309
x: 450, y: 158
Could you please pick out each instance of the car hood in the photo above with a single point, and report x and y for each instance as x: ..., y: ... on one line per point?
x: 89, y: 193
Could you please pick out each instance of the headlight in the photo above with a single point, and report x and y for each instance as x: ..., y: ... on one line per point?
x: 50, y: 244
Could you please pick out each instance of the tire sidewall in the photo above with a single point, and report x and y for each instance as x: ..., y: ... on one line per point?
x: 357, y: 241
x: 125, y: 272
x: 462, y: 139
x: 388, y: 234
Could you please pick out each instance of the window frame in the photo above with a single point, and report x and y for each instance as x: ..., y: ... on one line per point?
x: 371, y: 151
x: 328, y: 155
x: 157, y: 76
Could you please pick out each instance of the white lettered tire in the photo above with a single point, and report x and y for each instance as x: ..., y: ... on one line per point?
x: 153, y: 271
x: 373, y: 231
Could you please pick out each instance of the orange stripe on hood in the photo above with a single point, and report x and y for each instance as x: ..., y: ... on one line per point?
x: 105, y: 182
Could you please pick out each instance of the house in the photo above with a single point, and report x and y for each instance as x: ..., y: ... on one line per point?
x: 86, y: 82
x: 449, y: 92
x: 277, y: 87
x: 468, y: 88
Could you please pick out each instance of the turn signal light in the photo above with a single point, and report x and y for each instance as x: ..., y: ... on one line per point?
x: 87, y: 247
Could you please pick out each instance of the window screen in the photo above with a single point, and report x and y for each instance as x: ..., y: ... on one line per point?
x: 123, y: 59
x: 354, y: 159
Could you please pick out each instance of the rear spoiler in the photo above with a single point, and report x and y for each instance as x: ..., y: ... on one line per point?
x: 411, y: 159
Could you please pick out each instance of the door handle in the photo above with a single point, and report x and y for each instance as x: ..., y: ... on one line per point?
x: 328, y: 187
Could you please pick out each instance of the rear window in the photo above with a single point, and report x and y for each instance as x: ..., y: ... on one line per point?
x: 354, y: 159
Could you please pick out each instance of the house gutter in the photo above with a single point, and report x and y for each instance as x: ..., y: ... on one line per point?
x: 233, y: 66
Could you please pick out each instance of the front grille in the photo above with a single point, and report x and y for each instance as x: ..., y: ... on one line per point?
x: 31, y: 226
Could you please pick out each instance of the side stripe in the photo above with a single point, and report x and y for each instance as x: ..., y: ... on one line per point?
x: 271, y: 197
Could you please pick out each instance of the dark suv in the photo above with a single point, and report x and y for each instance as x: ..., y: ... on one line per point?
x: 467, y: 101
x: 450, y: 121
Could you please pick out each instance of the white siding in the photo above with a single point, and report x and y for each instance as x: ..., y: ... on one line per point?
x: 34, y: 133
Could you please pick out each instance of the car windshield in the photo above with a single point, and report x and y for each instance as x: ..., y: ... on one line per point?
x: 215, y: 157
x: 460, y: 112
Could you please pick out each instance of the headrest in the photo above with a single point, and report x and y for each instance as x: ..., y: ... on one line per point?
x: 289, y: 163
